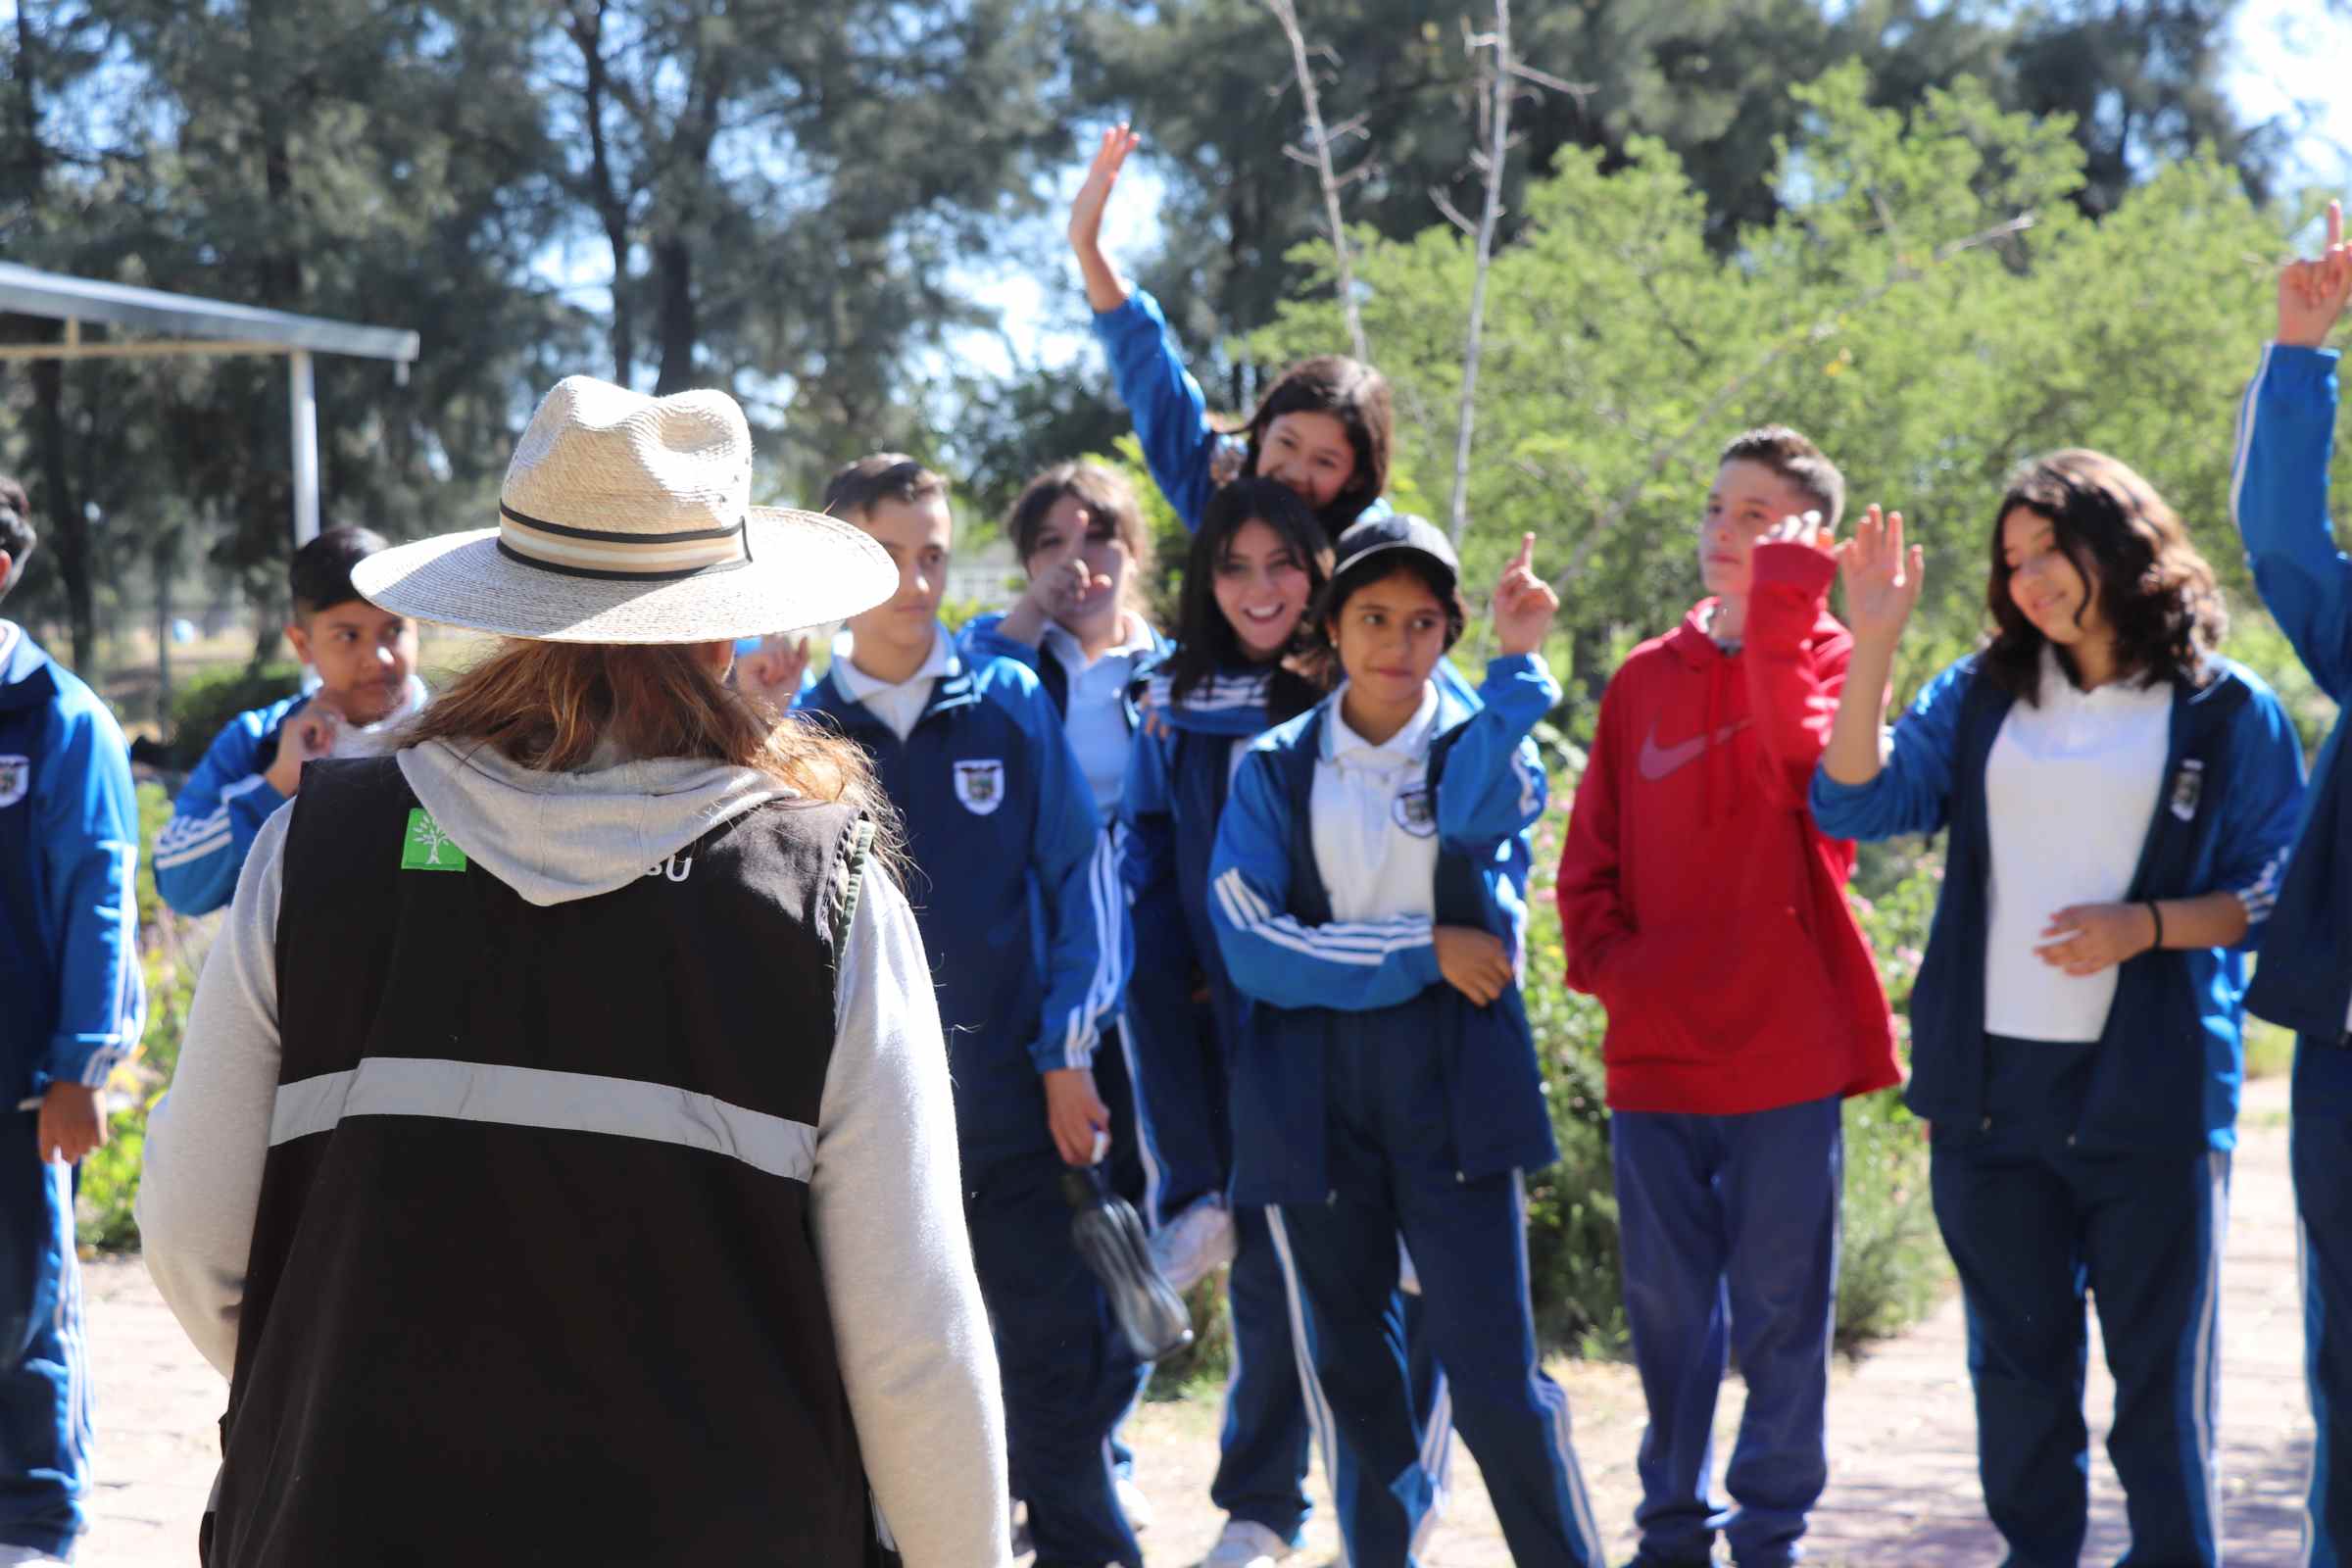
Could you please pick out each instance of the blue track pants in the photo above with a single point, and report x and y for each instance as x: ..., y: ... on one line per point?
x: 44, y: 1365
x: 1728, y: 1226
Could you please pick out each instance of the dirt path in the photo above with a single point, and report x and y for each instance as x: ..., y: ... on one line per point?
x: 1902, y: 1434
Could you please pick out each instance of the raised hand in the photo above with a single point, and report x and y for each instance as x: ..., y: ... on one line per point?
x: 773, y: 674
x: 2313, y: 294
x: 1882, y: 578
x: 301, y: 740
x: 1524, y: 604
x: 1802, y: 528
x: 1104, y: 289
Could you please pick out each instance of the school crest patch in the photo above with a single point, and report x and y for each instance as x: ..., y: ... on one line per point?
x: 980, y: 785
x: 16, y: 778
x: 1416, y: 811
x: 2189, y: 788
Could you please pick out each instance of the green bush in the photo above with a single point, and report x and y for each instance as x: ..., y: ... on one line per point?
x: 202, y: 708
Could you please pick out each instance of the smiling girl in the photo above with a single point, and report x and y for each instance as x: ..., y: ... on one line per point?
x: 1368, y: 889
x: 1242, y: 662
x: 2121, y: 800
x: 1322, y: 430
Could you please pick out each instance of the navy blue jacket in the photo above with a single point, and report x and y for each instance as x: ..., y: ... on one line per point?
x: 1312, y: 979
x: 1175, y: 794
x: 2171, y: 1059
x: 1016, y: 889
x: 75, y: 1001
x: 2286, y: 431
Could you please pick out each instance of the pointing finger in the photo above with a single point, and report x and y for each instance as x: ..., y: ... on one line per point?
x: 2335, y: 224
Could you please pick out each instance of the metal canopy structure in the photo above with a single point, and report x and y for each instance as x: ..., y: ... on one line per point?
x: 202, y: 326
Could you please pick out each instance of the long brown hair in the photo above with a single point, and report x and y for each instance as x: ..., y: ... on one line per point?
x: 1206, y: 641
x: 549, y: 707
x: 2133, y: 554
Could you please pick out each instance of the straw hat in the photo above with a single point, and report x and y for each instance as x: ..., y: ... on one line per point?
x: 627, y: 518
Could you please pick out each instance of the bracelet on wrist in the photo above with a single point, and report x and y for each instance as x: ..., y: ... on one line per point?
x: 2157, y: 915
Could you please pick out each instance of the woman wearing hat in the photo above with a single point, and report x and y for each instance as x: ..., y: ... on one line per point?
x: 513, y: 1173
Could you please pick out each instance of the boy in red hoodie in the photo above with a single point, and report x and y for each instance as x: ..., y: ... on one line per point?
x: 1707, y: 912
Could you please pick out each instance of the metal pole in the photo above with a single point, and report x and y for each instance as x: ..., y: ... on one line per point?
x: 305, y: 400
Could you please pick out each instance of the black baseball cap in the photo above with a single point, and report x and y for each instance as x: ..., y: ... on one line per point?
x: 1391, y: 531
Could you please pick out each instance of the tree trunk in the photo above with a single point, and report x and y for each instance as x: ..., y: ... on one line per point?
x: 673, y: 280
x: 604, y: 194
x: 68, y: 529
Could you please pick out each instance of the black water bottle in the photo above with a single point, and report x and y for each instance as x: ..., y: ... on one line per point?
x: 1110, y: 1238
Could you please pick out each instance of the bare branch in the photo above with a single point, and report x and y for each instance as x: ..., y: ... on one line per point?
x: 1286, y: 16
x: 1579, y: 90
x: 1452, y: 212
x: 1498, y: 130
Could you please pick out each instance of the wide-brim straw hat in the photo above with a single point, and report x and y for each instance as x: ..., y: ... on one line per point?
x: 627, y: 518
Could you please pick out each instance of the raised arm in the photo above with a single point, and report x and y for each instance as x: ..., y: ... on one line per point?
x: 1106, y: 290
x: 1171, y: 416
x: 2278, y: 497
x: 226, y: 800
x: 1494, y: 785
x: 1794, y: 685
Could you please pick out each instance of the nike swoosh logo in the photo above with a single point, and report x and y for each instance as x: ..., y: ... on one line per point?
x: 1658, y: 761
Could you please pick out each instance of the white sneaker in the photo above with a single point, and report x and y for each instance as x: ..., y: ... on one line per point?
x: 1195, y: 1244
x: 1246, y: 1543
x: 1134, y: 1505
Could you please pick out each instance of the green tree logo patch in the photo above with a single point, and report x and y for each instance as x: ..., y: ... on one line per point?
x: 425, y: 847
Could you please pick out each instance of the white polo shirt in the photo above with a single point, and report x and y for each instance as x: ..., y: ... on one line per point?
x: 2070, y: 788
x: 898, y: 706
x: 1096, y: 718
x: 1374, y: 820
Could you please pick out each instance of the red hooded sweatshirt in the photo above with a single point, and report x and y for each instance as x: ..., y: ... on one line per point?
x: 1698, y: 900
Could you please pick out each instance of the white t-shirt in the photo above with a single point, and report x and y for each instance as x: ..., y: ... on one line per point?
x: 1374, y: 820
x: 2070, y: 788
x: 1096, y: 718
x: 898, y: 706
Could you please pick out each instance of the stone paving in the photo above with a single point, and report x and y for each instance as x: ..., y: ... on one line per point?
x: 1902, y: 1486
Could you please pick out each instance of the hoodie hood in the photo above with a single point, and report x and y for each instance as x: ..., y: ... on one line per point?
x: 555, y: 838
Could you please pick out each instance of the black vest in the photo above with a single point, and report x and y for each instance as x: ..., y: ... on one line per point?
x: 532, y: 1276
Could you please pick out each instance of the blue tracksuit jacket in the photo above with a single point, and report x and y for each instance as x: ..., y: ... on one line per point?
x: 73, y: 1007
x: 219, y: 808
x: 1176, y: 787
x: 2280, y: 497
x: 69, y: 859
x: 1307, y: 974
x: 225, y: 803
x: 1015, y: 888
x: 2170, y: 1060
x: 980, y: 639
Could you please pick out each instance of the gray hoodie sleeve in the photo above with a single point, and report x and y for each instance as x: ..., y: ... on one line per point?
x: 916, y: 1355
x: 201, y: 1179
